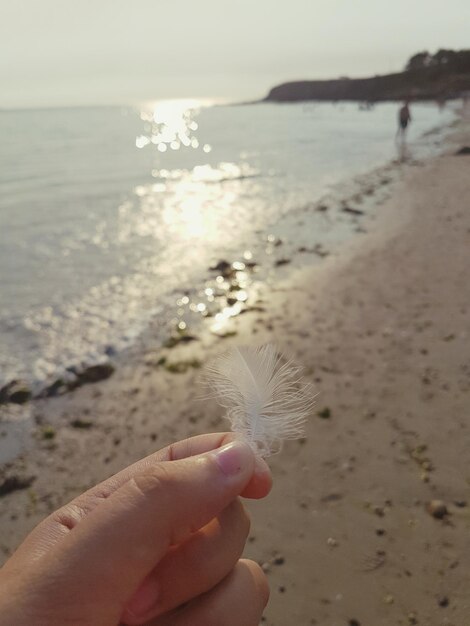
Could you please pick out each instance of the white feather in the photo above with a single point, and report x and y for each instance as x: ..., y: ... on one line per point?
x: 265, y: 401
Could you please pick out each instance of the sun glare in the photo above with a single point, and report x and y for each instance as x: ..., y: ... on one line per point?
x: 170, y: 123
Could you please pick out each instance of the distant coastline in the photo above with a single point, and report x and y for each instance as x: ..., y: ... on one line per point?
x: 442, y: 76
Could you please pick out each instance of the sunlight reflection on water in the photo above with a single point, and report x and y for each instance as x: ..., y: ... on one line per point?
x: 189, y: 209
x: 170, y: 124
x: 124, y: 211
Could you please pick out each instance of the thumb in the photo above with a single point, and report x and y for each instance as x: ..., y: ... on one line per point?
x: 108, y: 554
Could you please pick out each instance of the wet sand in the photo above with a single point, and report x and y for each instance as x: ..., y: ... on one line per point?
x: 382, y: 330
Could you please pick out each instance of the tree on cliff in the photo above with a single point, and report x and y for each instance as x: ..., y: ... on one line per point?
x: 455, y: 60
x: 419, y: 60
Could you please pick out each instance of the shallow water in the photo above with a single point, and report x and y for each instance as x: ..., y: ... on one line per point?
x: 107, y: 215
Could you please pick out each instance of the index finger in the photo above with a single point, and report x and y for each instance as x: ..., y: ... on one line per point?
x: 53, y: 528
x: 261, y: 481
x: 175, y: 452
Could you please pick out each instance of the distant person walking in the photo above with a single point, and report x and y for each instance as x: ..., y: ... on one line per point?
x: 404, y: 118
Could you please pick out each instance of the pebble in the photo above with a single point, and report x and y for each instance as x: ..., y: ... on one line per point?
x: 325, y: 413
x: 95, y: 373
x: 16, y: 392
x: 13, y: 483
x: 223, y: 266
x: 437, y: 508
x: 48, y: 432
x: 81, y: 423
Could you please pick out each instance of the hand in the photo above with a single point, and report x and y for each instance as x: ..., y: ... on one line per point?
x: 157, y: 544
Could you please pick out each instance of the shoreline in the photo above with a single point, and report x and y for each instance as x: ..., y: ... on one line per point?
x: 356, y: 202
x: 347, y: 204
x: 354, y: 195
x: 382, y: 332
x: 41, y: 345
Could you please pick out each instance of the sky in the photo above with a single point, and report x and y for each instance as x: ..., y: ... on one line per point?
x: 86, y: 52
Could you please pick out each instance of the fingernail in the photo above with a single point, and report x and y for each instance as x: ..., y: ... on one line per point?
x: 232, y: 457
x: 143, y: 599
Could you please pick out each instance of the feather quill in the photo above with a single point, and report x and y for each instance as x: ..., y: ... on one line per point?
x: 265, y: 400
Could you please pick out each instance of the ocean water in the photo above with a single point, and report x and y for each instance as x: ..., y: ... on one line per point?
x: 110, y: 217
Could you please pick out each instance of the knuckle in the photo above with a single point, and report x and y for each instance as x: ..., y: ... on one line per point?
x: 156, y: 478
x: 72, y: 513
x: 69, y: 515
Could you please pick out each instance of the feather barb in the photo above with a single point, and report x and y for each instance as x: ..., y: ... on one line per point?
x: 266, y: 401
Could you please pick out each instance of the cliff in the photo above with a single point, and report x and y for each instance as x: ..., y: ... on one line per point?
x: 444, y: 75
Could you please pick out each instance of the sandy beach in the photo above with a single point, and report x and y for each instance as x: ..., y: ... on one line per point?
x: 382, y: 330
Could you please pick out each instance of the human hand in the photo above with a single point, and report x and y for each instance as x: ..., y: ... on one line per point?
x: 157, y: 544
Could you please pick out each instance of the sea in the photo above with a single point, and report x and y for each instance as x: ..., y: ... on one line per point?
x: 111, y: 217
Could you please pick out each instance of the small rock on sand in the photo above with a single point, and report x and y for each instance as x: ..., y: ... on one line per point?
x: 348, y: 209
x: 13, y: 483
x: 437, y: 508
x: 81, y: 423
x: 224, y: 268
x: 16, y: 391
x: 95, y: 373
